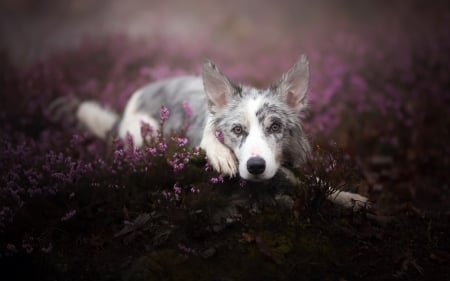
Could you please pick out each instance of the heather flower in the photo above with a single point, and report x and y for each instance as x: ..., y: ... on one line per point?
x: 219, y: 136
x: 129, y: 140
x: 207, y: 165
x: 162, y: 147
x: 187, y: 109
x: 194, y: 190
x: 182, y: 141
x: 178, y: 167
x: 176, y: 164
x: 196, y: 151
x: 166, y: 194
x: 164, y: 114
x: 146, y: 129
x: 152, y: 151
x: 177, y: 189
x: 218, y: 179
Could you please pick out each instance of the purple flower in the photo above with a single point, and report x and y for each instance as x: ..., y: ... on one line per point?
x: 164, y: 113
x: 187, y: 109
x: 162, y: 147
x: 218, y: 179
x: 153, y: 151
x: 146, y: 129
x: 182, y: 142
x: 177, y: 166
x: 129, y: 140
x: 177, y: 189
x: 219, y: 136
x: 194, y: 189
x: 167, y: 194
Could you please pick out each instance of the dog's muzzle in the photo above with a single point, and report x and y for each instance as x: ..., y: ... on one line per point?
x: 256, y: 165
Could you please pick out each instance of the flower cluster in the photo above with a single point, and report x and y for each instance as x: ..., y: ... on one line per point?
x: 164, y: 113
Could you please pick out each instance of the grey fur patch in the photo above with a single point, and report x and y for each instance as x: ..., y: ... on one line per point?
x: 291, y: 142
x: 171, y: 93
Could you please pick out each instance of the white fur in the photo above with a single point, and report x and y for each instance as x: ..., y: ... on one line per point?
x: 255, y: 145
x: 220, y: 157
x: 98, y: 120
x: 344, y: 199
x: 349, y: 200
x: 132, y: 120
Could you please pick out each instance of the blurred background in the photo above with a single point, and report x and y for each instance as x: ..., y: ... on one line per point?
x: 30, y: 30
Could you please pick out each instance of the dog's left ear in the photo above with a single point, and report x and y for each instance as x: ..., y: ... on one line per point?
x: 293, y: 85
x: 218, y: 88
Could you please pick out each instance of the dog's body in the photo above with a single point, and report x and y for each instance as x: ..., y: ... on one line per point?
x: 261, y: 129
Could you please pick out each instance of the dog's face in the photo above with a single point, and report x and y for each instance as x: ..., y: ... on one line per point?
x: 261, y: 127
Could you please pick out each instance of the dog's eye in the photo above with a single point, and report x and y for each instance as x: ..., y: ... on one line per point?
x: 237, y: 130
x: 275, y: 128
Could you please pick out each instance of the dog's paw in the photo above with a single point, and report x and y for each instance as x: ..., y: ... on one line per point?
x: 350, y: 200
x: 222, y: 159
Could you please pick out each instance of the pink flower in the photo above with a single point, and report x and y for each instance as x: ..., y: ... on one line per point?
x: 152, y: 151
x: 187, y: 109
x: 182, y: 142
x: 218, y: 179
x: 164, y: 113
x: 176, y: 189
x: 162, y: 147
x: 194, y: 190
x: 219, y: 136
x: 146, y: 129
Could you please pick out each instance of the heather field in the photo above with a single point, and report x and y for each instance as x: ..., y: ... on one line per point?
x: 75, y: 208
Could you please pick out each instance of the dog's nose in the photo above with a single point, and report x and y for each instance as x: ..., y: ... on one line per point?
x: 256, y: 165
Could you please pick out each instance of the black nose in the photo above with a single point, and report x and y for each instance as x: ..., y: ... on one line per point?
x: 256, y: 165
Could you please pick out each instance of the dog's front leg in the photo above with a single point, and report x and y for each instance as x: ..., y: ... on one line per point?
x: 344, y: 199
x: 220, y: 157
x: 349, y: 200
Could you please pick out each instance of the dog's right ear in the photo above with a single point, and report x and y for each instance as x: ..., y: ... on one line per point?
x: 218, y: 88
x: 293, y: 85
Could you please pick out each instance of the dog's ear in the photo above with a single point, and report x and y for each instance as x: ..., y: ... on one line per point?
x: 293, y: 85
x: 218, y: 88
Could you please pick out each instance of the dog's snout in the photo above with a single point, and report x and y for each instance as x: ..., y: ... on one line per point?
x: 256, y: 165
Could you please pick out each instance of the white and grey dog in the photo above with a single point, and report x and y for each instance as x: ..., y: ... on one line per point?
x: 262, y: 129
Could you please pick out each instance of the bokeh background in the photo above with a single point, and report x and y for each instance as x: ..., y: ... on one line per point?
x: 379, y: 95
x: 31, y: 30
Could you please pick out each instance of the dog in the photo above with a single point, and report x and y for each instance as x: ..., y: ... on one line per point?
x: 260, y: 129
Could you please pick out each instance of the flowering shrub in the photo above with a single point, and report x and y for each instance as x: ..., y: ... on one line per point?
x: 381, y: 96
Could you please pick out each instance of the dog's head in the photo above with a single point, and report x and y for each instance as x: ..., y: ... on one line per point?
x: 262, y: 127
